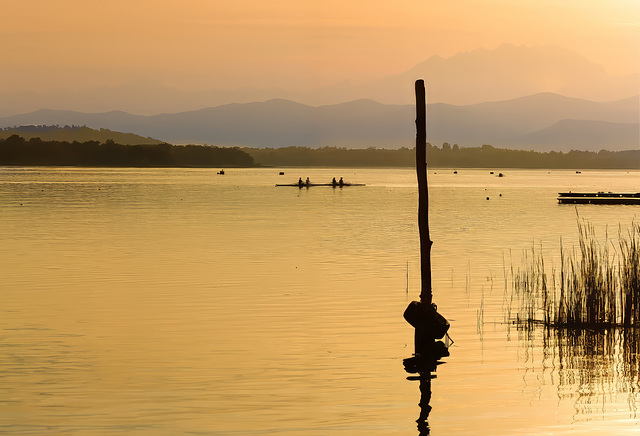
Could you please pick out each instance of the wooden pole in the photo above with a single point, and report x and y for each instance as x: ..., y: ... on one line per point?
x: 423, y: 193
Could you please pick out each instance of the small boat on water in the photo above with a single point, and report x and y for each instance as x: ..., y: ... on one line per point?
x: 598, y: 198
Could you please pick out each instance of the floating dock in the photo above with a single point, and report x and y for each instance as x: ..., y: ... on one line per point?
x: 598, y: 198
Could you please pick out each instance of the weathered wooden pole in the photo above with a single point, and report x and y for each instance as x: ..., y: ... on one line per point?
x: 423, y: 193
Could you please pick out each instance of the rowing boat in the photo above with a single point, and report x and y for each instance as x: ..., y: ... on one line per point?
x: 335, y: 185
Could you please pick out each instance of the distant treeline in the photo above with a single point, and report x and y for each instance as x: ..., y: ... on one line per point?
x: 446, y: 156
x: 15, y: 150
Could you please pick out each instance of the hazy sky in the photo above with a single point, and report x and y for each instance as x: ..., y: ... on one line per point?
x: 206, y: 44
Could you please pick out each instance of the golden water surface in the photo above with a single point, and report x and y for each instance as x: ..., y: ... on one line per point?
x: 182, y: 302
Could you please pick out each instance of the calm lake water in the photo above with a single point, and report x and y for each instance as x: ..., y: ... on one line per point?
x: 181, y: 302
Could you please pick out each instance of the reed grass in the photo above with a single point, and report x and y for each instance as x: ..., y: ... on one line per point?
x: 596, y: 286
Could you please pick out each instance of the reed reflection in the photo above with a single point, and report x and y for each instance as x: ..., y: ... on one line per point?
x: 593, y: 366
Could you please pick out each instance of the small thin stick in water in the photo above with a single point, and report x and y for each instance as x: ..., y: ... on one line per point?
x: 407, y: 276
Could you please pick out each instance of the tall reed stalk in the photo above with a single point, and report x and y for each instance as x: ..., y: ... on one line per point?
x: 598, y: 284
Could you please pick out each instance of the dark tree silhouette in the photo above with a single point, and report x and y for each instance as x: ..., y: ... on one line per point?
x: 16, y: 151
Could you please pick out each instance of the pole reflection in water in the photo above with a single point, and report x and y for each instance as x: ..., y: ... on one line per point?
x: 425, y: 364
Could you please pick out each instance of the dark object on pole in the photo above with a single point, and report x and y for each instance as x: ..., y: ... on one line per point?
x: 423, y: 193
x: 426, y: 317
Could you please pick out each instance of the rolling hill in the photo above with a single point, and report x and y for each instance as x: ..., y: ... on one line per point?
x: 75, y: 133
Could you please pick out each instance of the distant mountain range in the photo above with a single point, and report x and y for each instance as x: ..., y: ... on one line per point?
x: 540, y: 122
x: 471, y: 77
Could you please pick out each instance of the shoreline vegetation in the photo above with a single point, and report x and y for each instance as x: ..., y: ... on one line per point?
x: 15, y: 150
x: 597, y: 285
x: 446, y: 156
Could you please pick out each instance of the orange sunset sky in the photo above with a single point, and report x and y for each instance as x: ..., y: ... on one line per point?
x: 196, y: 45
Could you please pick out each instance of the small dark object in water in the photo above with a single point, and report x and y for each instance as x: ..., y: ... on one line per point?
x: 281, y: 173
x: 500, y: 195
x: 500, y: 175
x: 490, y: 172
x: 455, y: 172
x: 221, y: 172
x: 578, y: 172
x: 487, y: 198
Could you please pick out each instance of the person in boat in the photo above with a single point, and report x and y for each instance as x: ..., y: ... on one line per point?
x: 340, y: 182
x: 333, y: 182
x: 308, y: 182
x: 300, y: 182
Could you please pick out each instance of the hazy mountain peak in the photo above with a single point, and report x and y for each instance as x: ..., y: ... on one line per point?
x: 482, y: 58
x: 506, y: 72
